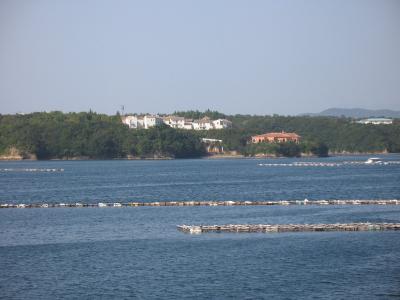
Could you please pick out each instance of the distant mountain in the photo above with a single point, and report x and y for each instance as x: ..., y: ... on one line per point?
x: 357, y: 113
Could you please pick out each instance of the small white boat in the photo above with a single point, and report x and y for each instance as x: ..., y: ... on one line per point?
x: 100, y: 204
x: 373, y: 161
x: 116, y: 204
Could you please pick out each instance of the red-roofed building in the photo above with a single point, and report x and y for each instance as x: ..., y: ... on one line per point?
x: 276, y: 137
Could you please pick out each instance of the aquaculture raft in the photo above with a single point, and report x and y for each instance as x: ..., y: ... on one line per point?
x: 267, y: 228
x: 204, y: 203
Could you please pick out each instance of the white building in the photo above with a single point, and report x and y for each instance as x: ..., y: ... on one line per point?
x: 139, y: 122
x: 188, y: 124
x: 222, y: 124
x: 147, y: 121
x: 203, y: 124
x: 127, y: 120
x: 207, y: 124
x: 151, y: 121
x: 175, y: 122
x: 213, y: 145
x: 376, y: 121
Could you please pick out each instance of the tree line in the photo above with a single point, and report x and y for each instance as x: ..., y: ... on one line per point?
x: 319, y: 134
x: 92, y: 135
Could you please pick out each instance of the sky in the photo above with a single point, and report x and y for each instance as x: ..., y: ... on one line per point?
x: 248, y: 57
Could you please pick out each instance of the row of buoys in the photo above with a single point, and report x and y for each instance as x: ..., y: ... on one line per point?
x: 325, y: 164
x: 31, y: 170
x: 205, y: 203
x: 301, y: 165
x: 269, y: 228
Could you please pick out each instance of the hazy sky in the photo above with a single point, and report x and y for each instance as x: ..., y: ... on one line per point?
x: 258, y: 57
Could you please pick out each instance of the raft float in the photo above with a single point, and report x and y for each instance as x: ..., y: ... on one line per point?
x: 42, y: 170
x: 203, y: 203
x: 330, y: 164
x: 270, y: 228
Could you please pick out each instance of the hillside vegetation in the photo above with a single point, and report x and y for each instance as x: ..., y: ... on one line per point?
x: 92, y: 135
x: 338, y: 134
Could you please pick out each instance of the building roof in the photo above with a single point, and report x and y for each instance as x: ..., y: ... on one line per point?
x: 211, y: 140
x: 224, y: 120
x: 290, y: 135
x: 174, y: 118
x: 376, y: 120
x: 204, y: 120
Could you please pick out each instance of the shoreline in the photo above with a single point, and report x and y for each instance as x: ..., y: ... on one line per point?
x: 216, y: 156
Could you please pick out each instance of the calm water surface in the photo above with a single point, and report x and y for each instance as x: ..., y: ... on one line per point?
x: 121, y: 253
x: 176, y: 180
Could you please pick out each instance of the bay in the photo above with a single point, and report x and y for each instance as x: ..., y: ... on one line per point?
x: 137, y: 253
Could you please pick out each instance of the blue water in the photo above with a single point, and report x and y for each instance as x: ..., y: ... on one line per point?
x: 136, y: 252
x: 177, y: 180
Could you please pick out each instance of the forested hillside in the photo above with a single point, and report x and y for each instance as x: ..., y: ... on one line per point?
x: 339, y: 134
x: 92, y: 135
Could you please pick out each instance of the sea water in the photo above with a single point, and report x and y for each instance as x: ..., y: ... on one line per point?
x: 136, y: 252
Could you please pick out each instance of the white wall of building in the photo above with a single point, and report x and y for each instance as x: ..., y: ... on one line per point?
x: 174, y: 122
x: 222, y: 124
x: 376, y: 121
x: 151, y: 121
x: 148, y: 121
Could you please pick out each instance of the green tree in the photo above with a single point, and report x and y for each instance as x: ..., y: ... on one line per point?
x: 320, y: 149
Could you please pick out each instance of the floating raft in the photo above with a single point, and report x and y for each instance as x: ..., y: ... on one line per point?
x: 327, y: 164
x: 42, y: 170
x: 268, y: 228
x: 205, y: 203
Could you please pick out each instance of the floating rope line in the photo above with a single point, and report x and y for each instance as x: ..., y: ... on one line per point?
x: 328, y: 164
x: 30, y: 170
x: 270, y: 228
x: 203, y: 203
